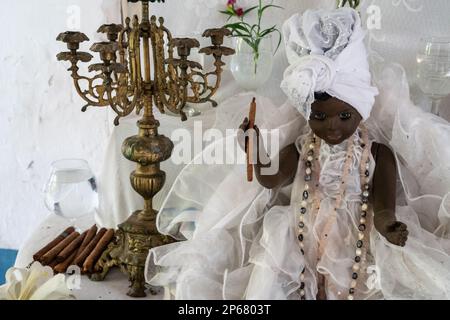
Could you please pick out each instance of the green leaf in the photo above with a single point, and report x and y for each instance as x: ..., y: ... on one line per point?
x: 252, y: 30
x: 351, y: 3
x: 239, y: 34
x: 250, y: 9
x: 269, y: 6
x: 356, y: 4
x: 258, y: 42
x: 241, y: 24
x: 268, y: 31
x: 252, y: 35
x: 343, y: 3
x: 251, y: 44
x: 237, y: 26
x: 280, y: 38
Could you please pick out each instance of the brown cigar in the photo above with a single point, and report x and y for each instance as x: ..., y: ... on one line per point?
x: 87, y: 251
x: 53, y: 264
x: 97, y: 252
x: 90, y: 234
x: 67, y: 251
x: 38, y: 255
x: 62, y: 266
x: 51, y: 255
x: 251, y: 125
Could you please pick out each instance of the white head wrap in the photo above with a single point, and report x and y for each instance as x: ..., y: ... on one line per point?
x: 326, y: 53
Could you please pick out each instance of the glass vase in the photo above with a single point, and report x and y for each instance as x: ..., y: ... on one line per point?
x: 252, y: 68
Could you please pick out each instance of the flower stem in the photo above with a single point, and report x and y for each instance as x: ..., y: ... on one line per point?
x: 255, y: 60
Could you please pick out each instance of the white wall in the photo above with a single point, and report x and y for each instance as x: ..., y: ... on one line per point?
x: 40, y: 117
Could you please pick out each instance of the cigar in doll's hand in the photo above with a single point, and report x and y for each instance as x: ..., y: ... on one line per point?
x: 38, y: 255
x: 52, y: 253
x: 90, y: 234
x: 251, y: 125
x: 88, y: 266
x: 79, y: 260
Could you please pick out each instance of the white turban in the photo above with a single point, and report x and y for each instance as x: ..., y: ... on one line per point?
x: 326, y: 53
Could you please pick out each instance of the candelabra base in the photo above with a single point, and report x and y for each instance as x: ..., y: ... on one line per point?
x: 134, y: 238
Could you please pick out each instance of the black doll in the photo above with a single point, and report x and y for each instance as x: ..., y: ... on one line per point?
x: 335, y: 121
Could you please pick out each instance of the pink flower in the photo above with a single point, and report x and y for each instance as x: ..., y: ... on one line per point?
x: 239, y: 12
x: 231, y: 2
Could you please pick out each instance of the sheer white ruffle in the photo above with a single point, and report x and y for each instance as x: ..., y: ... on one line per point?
x: 242, y: 238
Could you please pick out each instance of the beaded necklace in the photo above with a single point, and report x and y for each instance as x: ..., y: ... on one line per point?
x: 312, y: 161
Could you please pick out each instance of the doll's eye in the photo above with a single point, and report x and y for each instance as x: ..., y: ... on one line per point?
x: 345, y: 115
x: 319, y: 116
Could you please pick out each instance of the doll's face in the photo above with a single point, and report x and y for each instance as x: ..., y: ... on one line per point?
x: 333, y: 120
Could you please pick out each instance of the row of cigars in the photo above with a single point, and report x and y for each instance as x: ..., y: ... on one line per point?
x: 72, y: 248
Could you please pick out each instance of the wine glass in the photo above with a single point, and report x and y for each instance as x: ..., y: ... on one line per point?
x: 433, y: 69
x: 71, y: 190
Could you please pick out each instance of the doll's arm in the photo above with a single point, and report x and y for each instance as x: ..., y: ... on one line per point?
x: 384, y: 195
x: 288, y: 161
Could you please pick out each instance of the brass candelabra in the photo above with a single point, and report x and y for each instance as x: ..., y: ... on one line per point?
x: 138, y: 70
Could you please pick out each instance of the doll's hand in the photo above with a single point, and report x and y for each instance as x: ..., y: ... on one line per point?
x: 242, y: 138
x: 394, y: 231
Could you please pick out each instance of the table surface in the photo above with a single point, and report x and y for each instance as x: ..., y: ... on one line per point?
x: 114, y: 287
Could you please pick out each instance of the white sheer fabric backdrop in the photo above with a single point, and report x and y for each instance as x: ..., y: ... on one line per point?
x: 402, y: 23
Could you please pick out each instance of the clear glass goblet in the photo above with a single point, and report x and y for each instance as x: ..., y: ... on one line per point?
x: 71, y: 190
x: 433, y: 69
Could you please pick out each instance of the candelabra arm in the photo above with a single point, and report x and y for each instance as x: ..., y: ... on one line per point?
x: 121, y: 105
x: 170, y: 91
x: 207, y: 91
x: 95, y: 91
x: 158, y: 67
x: 135, y: 55
x: 202, y: 90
